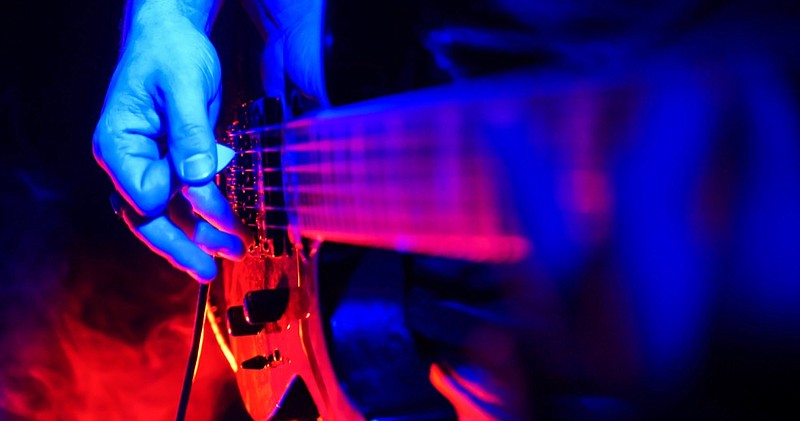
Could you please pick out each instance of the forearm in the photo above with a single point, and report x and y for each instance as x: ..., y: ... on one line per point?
x: 144, y: 13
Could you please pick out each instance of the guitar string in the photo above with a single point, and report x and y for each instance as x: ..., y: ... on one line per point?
x: 350, y: 154
x: 325, y: 197
x: 333, y: 167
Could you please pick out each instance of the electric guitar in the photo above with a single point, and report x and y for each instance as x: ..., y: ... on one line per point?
x: 416, y: 173
x: 442, y: 171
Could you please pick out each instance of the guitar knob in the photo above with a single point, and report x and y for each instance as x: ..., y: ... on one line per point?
x: 265, y: 305
x: 258, y: 362
x: 238, y: 325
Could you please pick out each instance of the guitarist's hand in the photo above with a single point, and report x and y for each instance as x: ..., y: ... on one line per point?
x: 155, y: 136
x: 292, y: 30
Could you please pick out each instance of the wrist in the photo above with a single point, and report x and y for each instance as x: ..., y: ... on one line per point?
x: 142, y: 15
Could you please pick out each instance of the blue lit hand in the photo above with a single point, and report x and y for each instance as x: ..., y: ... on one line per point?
x: 155, y: 140
x: 292, y: 31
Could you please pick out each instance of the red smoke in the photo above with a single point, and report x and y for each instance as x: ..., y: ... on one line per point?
x: 94, y: 327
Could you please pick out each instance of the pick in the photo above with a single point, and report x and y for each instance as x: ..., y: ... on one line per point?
x: 224, y: 156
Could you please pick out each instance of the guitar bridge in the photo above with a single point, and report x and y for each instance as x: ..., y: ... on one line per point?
x: 253, y: 182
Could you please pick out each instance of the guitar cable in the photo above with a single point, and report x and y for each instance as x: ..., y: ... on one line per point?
x: 197, y: 339
x: 224, y: 157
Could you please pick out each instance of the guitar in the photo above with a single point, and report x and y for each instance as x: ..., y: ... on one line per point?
x: 430, y: 172
x: 416, y: 173
x: 602, y: 176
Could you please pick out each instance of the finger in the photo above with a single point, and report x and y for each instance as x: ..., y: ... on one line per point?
x: 207, y: 237
x: 218, y: 243
x: 191, y: 137
x: 124, y: 147
x: 208, y: 202
x: 170, y: 242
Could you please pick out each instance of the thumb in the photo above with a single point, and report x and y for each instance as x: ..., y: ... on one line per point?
x: 192, y: 146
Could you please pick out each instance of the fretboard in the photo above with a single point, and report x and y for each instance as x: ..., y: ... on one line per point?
x: 410, y: 173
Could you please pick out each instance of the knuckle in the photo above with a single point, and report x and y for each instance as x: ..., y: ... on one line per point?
x: 101, y: 135
x: 104, y: 141
x: 146, y: 207
x: 192, y: 137
x: 190, y: 131
x: 97, y: 151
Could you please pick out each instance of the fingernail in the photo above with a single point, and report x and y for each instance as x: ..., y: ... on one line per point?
x: 197, y: 167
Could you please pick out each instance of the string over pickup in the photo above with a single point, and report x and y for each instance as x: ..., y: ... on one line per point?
x: 253, y: 182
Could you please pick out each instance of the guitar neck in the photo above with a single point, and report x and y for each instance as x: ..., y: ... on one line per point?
x: 406, y: 173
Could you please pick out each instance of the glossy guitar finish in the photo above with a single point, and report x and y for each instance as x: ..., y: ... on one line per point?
x: 299, y: 365
x: 275, y: 330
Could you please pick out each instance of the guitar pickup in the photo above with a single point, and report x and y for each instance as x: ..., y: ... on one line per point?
x: 265, y: 305
x: 238, y: 324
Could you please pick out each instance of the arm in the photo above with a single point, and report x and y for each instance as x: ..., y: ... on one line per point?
x: 292, y: 32
x: 143, y: 13
x: 155, y: 136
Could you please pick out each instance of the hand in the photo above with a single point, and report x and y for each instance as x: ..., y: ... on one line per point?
x: 292, y: 30
x: 155, y: 140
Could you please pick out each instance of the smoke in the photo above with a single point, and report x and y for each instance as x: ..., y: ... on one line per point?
x: 94, y: 327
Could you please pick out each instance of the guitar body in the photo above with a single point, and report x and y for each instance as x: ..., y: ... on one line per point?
x: 357, y: 363
x: 299, y: 382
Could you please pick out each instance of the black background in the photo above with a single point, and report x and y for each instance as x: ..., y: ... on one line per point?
x: 65, y: 254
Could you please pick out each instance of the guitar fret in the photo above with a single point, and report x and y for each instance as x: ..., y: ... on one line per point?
x: 265, y: 188
x: 269, y: 208
x: 260, y: 150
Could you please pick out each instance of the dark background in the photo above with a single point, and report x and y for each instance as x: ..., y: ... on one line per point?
x: 94, y: 326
